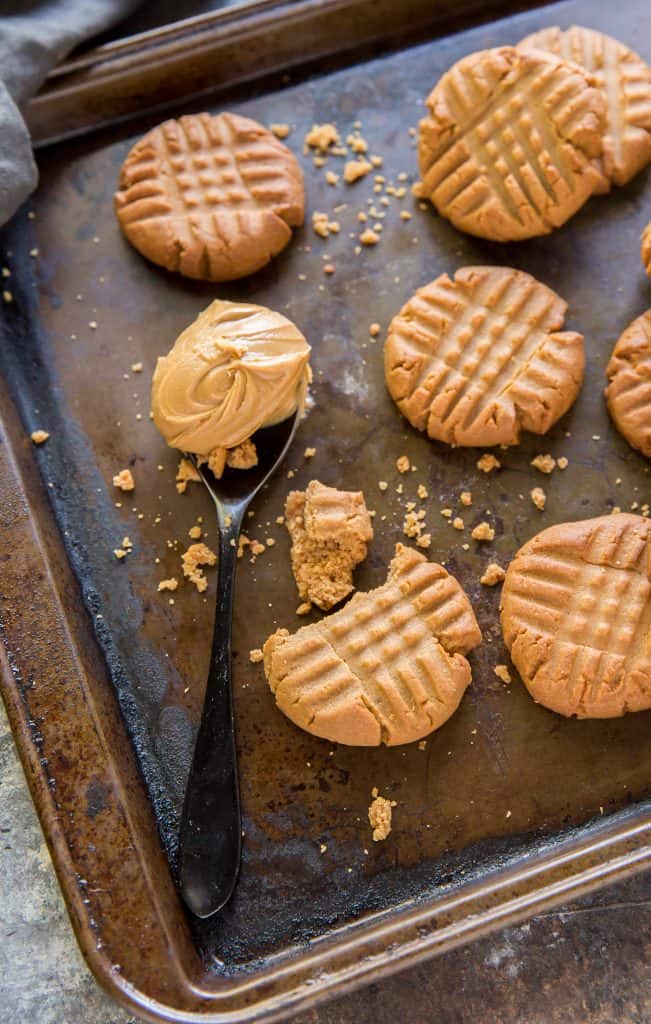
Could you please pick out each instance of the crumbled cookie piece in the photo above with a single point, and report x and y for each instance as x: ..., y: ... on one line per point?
x: 216, y: 462
x: 383, y: 485
x: 330, y: 530
x: 244, y: 456
x: 124, y: 480
x: 281, y: 131
x: 369, y: 237
x: 256, y: 655
x: 186, y: 474
x: 323, y: 226
x: 538, y: 497
x: 403, y: 465
x: 39, y: 436
x: 322, y: 136
x: 562, y: 462
x: 487, y: 463
x: 379, y: 815
x: 483, y: 531
x: 502, y: 672
x: 136, y: 367
x: 374, y: 330
x: 493, y: 574
x: 196, y: 556
x: 457, y: 523
x: 544, y: 463
x: 304, y: 609
x: 194, y: 533
x: 465, y: 498
x: 170, y: 584
x: 309, y: 453
x: 119, y: 553
x: 356, y: 169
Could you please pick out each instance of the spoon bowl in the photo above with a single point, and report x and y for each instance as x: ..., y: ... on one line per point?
x: 211, y: 831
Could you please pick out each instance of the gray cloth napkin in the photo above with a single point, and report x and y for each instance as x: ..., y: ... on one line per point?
x: 34, y: 36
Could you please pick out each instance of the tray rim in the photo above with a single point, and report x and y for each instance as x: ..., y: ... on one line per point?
x: 576, y: 866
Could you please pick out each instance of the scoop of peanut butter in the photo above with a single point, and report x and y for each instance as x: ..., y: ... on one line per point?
x: 236, y: 369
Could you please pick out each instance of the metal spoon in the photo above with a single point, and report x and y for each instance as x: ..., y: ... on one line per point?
x: 211, y: 831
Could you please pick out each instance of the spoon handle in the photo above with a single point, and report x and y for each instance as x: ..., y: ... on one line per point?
x: 211, y: 830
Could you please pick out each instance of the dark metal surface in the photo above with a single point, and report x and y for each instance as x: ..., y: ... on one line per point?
x: 504, y: 777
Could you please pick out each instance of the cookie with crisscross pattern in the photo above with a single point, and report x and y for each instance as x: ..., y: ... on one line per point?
x: 576, y: 616
x: 629, y: 389
x: 389, y: 667
x: 507, y: 150
x: 213, y: 197
x: 475, y: 359
x: 625, y: 82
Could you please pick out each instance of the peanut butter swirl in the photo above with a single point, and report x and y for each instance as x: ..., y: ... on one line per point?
x: 236, y: 369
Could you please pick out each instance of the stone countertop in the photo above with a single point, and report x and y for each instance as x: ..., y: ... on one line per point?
x: 588, y: 962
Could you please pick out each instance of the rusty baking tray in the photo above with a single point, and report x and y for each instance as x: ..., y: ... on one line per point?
x: 509, y: 807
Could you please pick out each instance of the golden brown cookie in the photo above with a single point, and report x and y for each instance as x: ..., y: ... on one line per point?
x: 625, y: 82
x: 629, y: 390
x: 507, y: 150
x: 330, y: 530
x: 646, y: 249
x: 576, y: 616
x: 214, y: 197
x: 477, y: 359
x: 388, y: 668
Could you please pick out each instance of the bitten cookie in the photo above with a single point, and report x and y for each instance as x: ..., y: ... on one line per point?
x: 576, y: 616
x: 475, y: 359
x: 507, y: 150
x: 388, y: 668
x: 625, y: 83
x: 214, y: 197
x: 646, y: 249
x: 330, y: 530
x: 629, y: 390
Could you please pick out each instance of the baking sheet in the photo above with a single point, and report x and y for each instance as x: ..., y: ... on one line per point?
x: 503, y: 776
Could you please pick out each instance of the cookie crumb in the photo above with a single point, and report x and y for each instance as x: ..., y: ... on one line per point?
x: 374, y: 330
x: 7, y: 296
x: 383, y: 485
x: 186, y: 474
x: 281, y: 131
x: 170, y: 584
x: 487, y: 463
x: 538, y: 497
x: 422, y: 492
x: 309, y: 453
x: 369, y: 237
x: 422, y: 744
x: 197, y: 556
x: 493, y: 574
x: 356, y: 169
x: 457, y: 523
x: 124, y: 480
x: 39, y: 436
x: 465, y: 498
x: 483, y: 531
x: 562, y: 462
x: 304, y: 609
x: 544, y: 463
x: 194, y: 533
x: 379, y: 815
x: 502, y: 672
x: 403, y: 465
x: 322, y: 136
x: 256, y: 655
x: 136, y: 367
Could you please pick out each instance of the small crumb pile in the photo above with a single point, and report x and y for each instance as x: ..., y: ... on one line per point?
x: 487, y: 463
x: 186, y: 474
x: 196, y: 556
x: 329, y: 530
x: 243, y: 456
x: 124, y: 480
x: 124, y: 549
x: 493, y: 574
x: 379, y: 815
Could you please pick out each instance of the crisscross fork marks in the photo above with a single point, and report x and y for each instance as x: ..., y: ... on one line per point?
x: 377, y: 664
x: 486, y: 134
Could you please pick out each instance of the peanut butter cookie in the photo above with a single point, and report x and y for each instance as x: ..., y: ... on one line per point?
x: 576, y: 616
x: 625, y: 83
x: 629, y: 390
x: 475, y: 359
x: 389, y: 667
x: 214, y: 197
x: 507, y: 150
x: 646, y: 249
